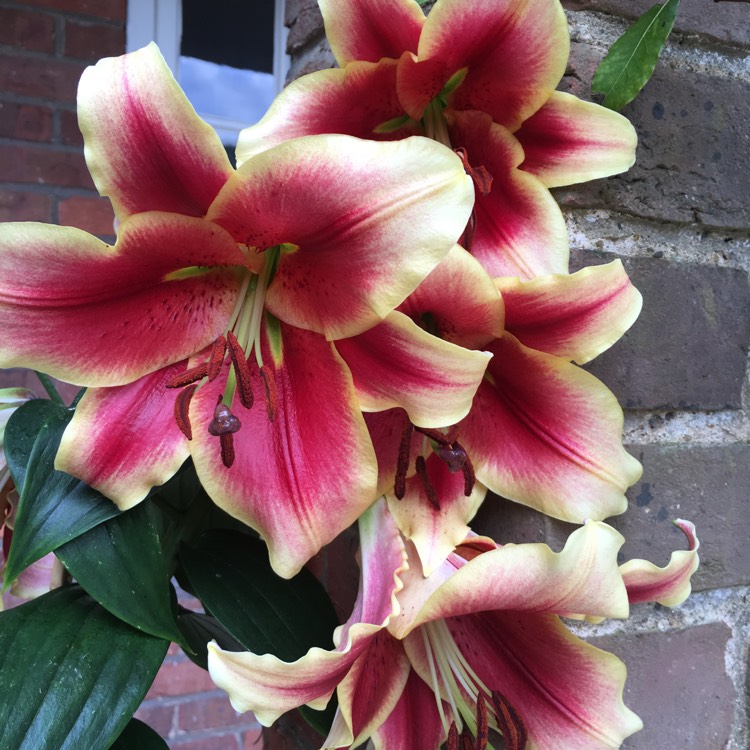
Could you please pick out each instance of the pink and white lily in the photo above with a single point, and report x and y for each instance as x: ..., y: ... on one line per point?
x: 419, y: 655
x: 541, y: 431
x: 478, y: 75
x: 227, y: 287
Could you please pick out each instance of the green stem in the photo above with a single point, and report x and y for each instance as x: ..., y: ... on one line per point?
x: 49, y: 386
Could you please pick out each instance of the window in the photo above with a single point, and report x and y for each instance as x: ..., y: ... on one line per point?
x: 228, y: 56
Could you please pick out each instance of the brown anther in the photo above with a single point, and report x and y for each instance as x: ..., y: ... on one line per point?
x: 442, y: 438
x: 421, y: 466
x: 509, y: 722
x: 480, y: 175
x: 216, y: 359
x: 467, y: 468
x: 454, y: 458
x: 227, y: 449
x: 466, y: 743
x: 269, y: 392
x: 402, y: 463
x: 483, y: 731
x: 224, y: 422
x: 182, y: 410
x: 188, y: 377
x: 452, y: 742
x: 241, y: 370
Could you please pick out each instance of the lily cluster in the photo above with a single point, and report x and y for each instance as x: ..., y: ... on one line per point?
x: 370, y: 319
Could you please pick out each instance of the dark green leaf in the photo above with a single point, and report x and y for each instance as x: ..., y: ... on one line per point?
x: 199, y: 630
x: 230, y: 573
x: 139, y: 736
x: 22, y: 430
x: 120, y: 563
x: 53, y: 507
x: 72, y: 675
x: 632, y: 58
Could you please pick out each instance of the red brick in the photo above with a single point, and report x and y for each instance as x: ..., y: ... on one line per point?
x: 253, y: 740
x: 158, y: 716
x: 94, y: 215
x: 44, y: 166
x: 221, y: 741
x: 206, y: 713
x: 93, y: 41
x: 112, y: 9
x: 50, y: 79
x: 28, y: 31
x: 18, y: 206
x: 180, y: 678
x: 26, y: 122
x: 69, y: 130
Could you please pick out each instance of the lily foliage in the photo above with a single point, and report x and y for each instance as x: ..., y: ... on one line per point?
x: 367, y: 327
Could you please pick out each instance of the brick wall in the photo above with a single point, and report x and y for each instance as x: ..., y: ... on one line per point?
x: 680, y: 220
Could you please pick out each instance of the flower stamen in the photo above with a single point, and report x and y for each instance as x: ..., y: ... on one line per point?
x: 216, y: 358
x: 269, y: 392
x: 182, y: 410
x: 420, y: 465
x: 192, y: 375
x: 241, y: 370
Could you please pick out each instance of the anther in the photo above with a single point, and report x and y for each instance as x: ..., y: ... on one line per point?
x: 227, y: 449
x: 269, y: 392
x: 216, y: 360
x: 182, y: 410
x: 483, y: 732
x: 188, y: 377
x: 239, y: 361
x: 480, y: 175
x: 452, y: 743
x: 468, y: 470
x: 224, y: 422
x: 466, y: 743
x: 443, y: 438
x: 402, y: 463
x: 509, y: 722
x: 421, y: 466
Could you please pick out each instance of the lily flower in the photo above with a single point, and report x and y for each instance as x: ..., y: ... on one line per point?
x: 541, y: 431
x: 479, y: 76
x: 224, y: 288
x: 478, y: 643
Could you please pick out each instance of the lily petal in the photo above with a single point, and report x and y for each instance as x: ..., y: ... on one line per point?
x: 378, y: 218
x: 304, y: 477
x: 520, y: 230
x: 269, y: 687
x: 568, y: 693
x: 583, y: 577
x: 547, y: 434
x: 145, y: 146
x: 670, y: 585
x: 371, y: 29
x: 396, y: 363
x: 355, y: 100
x: 73, y: 305
x: 528, y: 41
x: 124, y: 440
x: 575, y: 316
x: 568, y: 141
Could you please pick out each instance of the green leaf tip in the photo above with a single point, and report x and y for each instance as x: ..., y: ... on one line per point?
x: 631, y: 60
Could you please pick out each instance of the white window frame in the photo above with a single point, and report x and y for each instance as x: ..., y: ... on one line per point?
x: 161, y: 21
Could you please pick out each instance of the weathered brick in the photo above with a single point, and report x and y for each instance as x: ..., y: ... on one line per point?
x: 707, y: 485
x: 49, y: 79
x: 44, y: 167
x: 290, y: 732
x: 678, y: 685
x: 180, y: 678
x: 253, y: 740
x: 158, y: 716
x: 688, y: 348
x: 216, y: 741
x: 508, y: 522
x: 26, y: 122
x: 316, y: 56
x: 111, y: 9
x: 93, y: 41
x: 208, y: 712
x: 18, y: 206
x: 727, y: 22
x: 27, y: 30
x: 306, y: 26
x: 70, y: 133
x: 92, y: 214
x: 693, y: 150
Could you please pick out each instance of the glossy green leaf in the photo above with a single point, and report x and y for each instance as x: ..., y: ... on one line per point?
x: 53, y: 507
x: 72, y: 675
x: 121, y: 565
x: 199, y: 630
x: 632, y: 58
x: 139, y: 736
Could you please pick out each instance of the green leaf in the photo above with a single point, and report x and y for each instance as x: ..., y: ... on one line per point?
x: 632, y: 58
x: 139, y: 736
x: 199, y: 630
x: 72, y: 674
x: 230, y: 573
x: 53, y: 507
x: 120, y: 563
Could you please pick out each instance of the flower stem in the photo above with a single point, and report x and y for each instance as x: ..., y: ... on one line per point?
x: 49, y: 386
